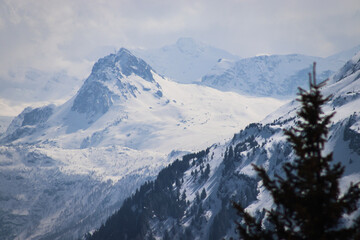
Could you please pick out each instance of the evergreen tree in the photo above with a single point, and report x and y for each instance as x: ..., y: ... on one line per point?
x: 166, y: 235
x: 197, y: 197
x: 228, y: 161
x: 207, y: 171
x: 308, y: 202
x: 203, y: 194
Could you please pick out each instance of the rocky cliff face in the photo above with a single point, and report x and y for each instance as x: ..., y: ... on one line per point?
x: 108, y: 83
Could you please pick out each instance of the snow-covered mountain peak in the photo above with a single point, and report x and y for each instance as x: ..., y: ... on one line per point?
x: 185, y: 61
x: 275, y: 75
x: 114, y: 78
x: 122, y: 64
x: 191, y: 198
x: 124, y: 102
x: 183, y: 41
x: 115, y: 134
x: 190, y: 46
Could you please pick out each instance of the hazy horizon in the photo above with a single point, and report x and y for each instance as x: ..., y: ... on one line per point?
x: 70, y: 35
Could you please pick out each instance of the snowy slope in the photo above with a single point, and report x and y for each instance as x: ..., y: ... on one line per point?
x: 67, y: 168
x: 191, y: 199
x: 124, y: 102
x: 274, y: 75
x: 49, y: 193
x: 185, y: 61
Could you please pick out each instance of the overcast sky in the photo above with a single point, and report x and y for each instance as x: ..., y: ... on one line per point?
x: 69, y: 34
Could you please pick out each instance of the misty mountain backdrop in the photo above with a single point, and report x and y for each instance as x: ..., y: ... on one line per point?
x: 66, y: 168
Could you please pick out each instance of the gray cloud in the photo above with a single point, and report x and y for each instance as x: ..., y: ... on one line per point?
x: 70, y: 35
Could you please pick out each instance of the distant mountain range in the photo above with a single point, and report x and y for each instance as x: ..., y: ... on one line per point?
x: 279, y: 76
x: 186, y: 61
x: 191, y: 198
x: 275, y: 75
x: 64, y: 169
x: 125, y: 102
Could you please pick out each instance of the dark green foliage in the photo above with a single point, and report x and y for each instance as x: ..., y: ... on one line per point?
x: 166, y: 236
x: 199, y: 217
x: 160, y: 198
x: 188, y: 233
x: 351, y: 135
x: 203, y: 194
x: 251, y: 128
x: 197, y: 198
x: 151, y: 237
x: 207, y: 171
x: 228, y: 161
x: 204, y: 174
x: 307, y: 199
x: 222, y: 221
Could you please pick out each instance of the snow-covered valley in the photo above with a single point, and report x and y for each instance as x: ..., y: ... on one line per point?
x: 66, y: 168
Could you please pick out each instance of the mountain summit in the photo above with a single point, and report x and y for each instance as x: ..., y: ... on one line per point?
x: 121, y: 103
x: 272, y: 76
x: 108, y: 82
x: 185, y: 61
x: 189, y: 46
x: 192, y: 197
x: 125, y: 64
x: 65, y: 169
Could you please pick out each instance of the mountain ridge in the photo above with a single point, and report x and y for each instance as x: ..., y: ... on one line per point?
x: 122, y: 131
x: 126, y: 131
x: 273, y: 76
x: 194, y: 57
x: 199, y: 187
